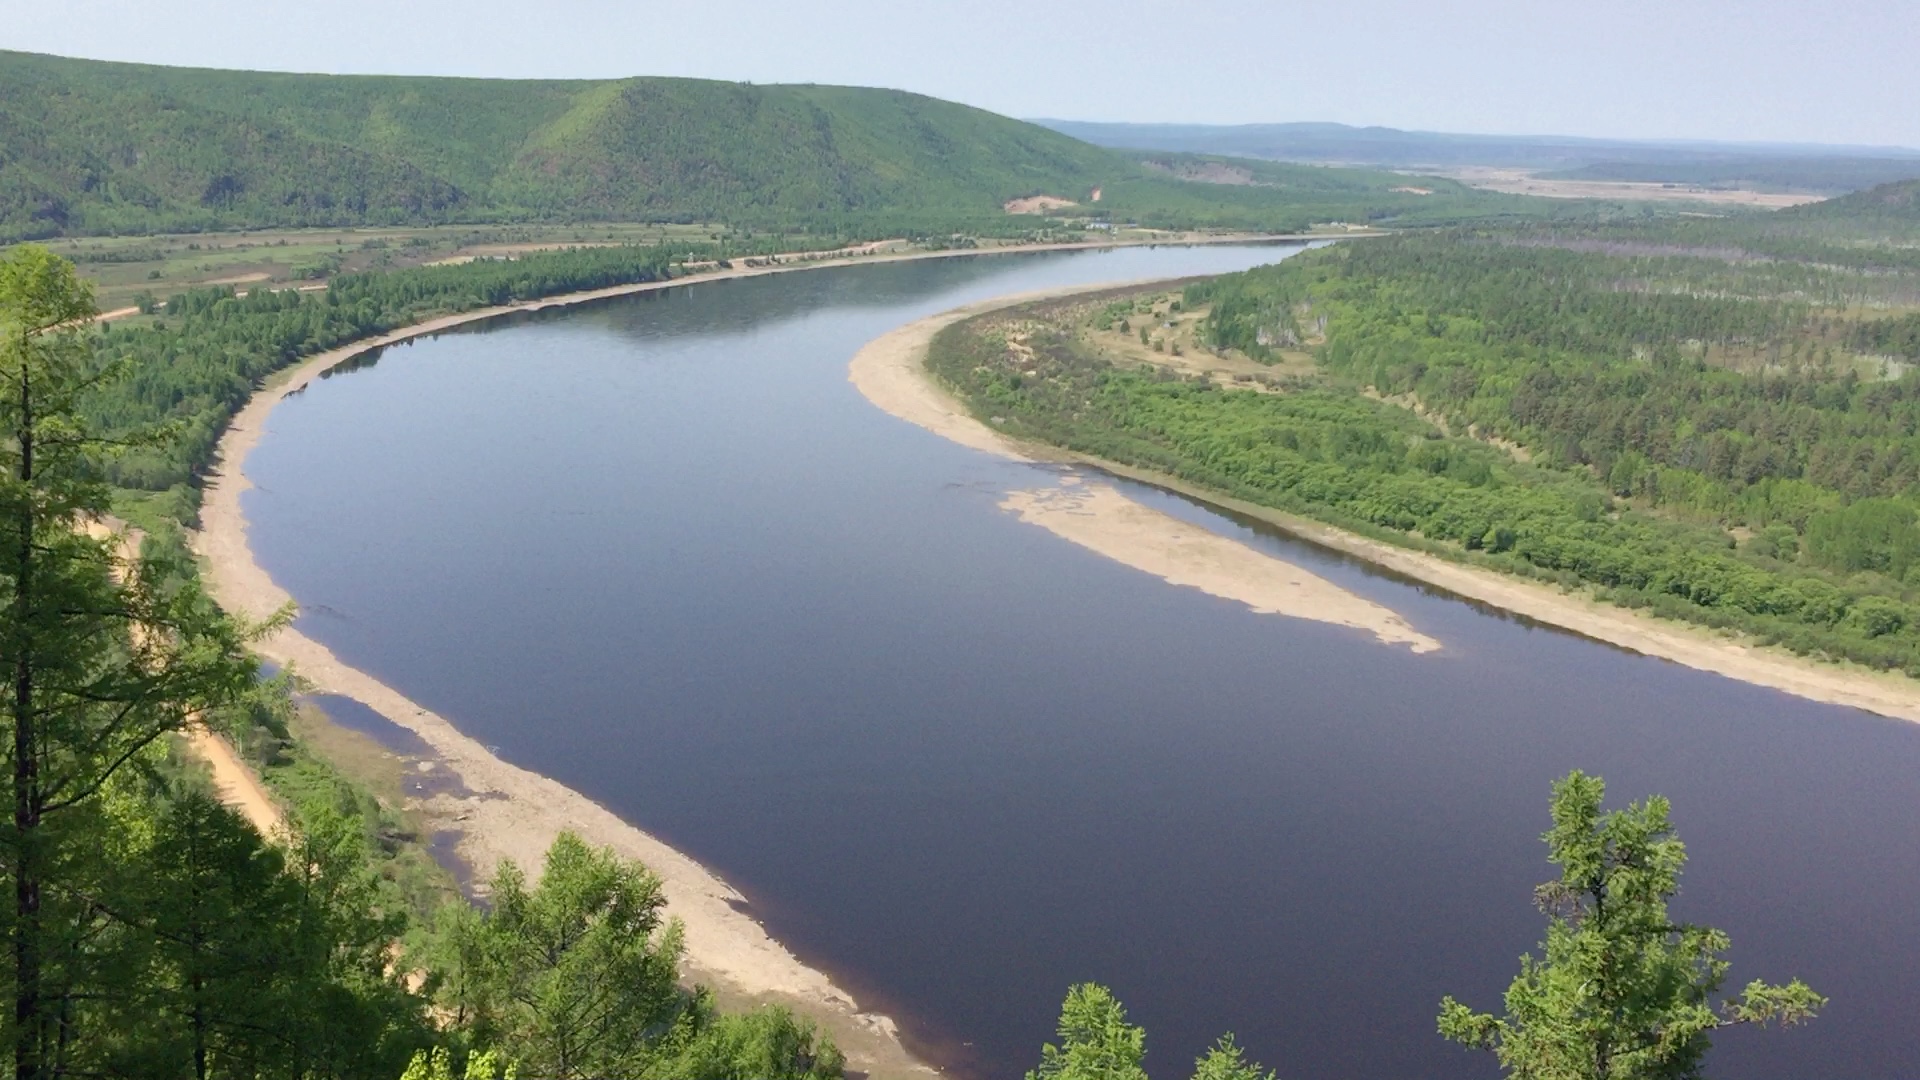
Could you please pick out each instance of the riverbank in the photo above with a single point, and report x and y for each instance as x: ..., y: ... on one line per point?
x: 891, y: 372
x: 501, y: 811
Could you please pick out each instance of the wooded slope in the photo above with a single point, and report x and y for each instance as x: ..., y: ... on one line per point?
x: 91, y: 147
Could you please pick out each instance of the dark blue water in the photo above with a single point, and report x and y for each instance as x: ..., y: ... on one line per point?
x: 660, y: 549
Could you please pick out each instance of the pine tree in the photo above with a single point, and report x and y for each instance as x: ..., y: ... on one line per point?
x: 101, y: 658
x: 1624, y: 992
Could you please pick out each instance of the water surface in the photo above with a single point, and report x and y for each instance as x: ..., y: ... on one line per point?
x: 660, y: 549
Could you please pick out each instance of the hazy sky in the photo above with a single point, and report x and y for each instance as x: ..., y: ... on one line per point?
x: 1832, y: 71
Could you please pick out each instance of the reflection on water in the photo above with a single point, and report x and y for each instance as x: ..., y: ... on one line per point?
x: 660, y: 549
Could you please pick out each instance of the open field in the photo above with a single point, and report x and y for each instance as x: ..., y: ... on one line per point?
x: 123, y: 267
x: 1525, y: 182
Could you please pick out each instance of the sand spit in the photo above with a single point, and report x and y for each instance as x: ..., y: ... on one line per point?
x: 890, y: 371
x: 1098, y: 517
x: 884, y: 369
x: 1833, y: 683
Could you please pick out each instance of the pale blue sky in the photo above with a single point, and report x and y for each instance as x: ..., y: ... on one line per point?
x: 1834, y: 71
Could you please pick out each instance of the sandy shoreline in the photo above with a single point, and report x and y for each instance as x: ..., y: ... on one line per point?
x: 1098, y: 517
x: 890, y: 371
x: 510, y: 812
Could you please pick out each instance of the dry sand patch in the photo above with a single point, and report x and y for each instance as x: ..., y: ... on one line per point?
x: 1037, y: 204
x: 1099, y: 518
x: 1523, y: 182
x: 891, y: 372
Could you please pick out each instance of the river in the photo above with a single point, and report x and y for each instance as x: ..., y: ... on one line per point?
x: 660, y: 549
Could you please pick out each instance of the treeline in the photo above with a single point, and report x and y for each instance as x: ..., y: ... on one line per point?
x: 153, y: 933
x: 1376, y: 468
x: 1899, y: 336
x: 195, y: 365
x: 93, y: 148
x: 1722, y: 391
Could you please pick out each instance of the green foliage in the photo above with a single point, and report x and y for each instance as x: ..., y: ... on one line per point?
x: 575, y: 975
x: 437, y: 1064
x: 766, y: 1044
x: 236, y: 958
x: 106, y: 654
x: 1700, y: 384
x: 1898, y: 336
x: 1328, y: 452
x: 1622, y: 992
x: 578, y: 977
x: 1872, y: 534
x: 1096, y: 1041
x: 1891, y: 209
x: 1226, y: 1061
x: 94, y: 147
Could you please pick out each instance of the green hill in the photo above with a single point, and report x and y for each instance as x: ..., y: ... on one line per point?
x: 1895, y: 203
x: 1878, y: 226
x: 93, y: 147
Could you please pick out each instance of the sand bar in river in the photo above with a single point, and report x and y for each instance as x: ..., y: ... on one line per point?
x: 891, y: 372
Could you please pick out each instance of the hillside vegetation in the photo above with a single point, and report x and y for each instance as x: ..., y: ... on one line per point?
x: 89, y: 147
x: 1721, y: 436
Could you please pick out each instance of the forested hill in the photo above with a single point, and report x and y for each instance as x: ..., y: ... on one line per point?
x: 1896, y: 204
x: 91, y: 147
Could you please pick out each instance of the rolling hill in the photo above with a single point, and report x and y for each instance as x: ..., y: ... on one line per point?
x: 91, y: 147
x: 1898, y: 202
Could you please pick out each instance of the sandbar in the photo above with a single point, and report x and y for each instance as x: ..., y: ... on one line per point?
x: 1098, y: 517
x: 890, y: 371
x: 504, y: 811
x: 887, y: 369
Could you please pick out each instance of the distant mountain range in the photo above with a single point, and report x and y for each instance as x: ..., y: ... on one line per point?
x: 1816, y: 168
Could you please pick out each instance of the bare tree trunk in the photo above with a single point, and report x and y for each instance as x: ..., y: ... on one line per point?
x: 26, y: 777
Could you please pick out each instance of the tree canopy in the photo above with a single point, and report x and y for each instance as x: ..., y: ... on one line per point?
x: 1622, y: 992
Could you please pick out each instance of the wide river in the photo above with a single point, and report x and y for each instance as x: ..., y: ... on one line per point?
x: 660, y: 549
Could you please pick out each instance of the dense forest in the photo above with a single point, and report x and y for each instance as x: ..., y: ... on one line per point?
x: 153, y: 932
x: 1875, y: 230
x: 1726, y: 439
x: 199, y: 361
x: 191, y: 367
x: 89, y: 147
